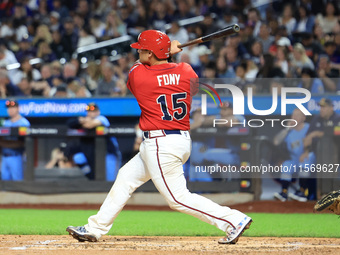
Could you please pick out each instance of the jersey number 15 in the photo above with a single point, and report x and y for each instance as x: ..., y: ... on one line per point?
x: 179, y: 107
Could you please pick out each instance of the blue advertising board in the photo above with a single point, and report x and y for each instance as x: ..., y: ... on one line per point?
x: 128, y: 106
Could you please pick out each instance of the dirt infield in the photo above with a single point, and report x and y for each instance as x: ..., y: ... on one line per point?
x: 57, y: 245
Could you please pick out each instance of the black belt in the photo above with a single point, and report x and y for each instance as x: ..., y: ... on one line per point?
x: 166, y: 132
x: 11, y: 154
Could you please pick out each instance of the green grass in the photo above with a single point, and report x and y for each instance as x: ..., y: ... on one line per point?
x: 153, y: 223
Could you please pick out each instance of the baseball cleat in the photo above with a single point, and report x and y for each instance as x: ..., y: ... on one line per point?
x: 233, y: 234
x: 283, y: 197
x: 81, y: 234
x: 298, y: 196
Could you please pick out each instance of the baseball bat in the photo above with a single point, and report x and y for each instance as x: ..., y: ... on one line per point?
x: 230, y: 30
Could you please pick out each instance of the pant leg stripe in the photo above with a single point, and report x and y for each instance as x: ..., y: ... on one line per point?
x: 173, y: 197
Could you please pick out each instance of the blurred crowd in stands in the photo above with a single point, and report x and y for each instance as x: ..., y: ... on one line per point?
x: 277, y: 39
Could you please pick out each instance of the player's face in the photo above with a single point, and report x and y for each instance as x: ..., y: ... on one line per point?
x: 92, y: 114
x: 326, y: 111
x: 226, y: 112
x: 144, y: 56
x: 12, y: 111
x: 298, y: 116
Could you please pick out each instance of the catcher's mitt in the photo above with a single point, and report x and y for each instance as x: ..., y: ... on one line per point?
x: 331, y: 202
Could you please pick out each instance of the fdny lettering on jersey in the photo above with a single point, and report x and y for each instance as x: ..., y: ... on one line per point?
x: 164, y: 98
x: 168, y: 79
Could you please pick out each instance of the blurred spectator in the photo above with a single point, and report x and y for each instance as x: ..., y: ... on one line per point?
x: 69, y: 38
x: 277, y: 83
x: 328, y: 19
x: 141, y: 22
x: 19, y: 21
x: 121, y: 89
x: 85, y: 157
x: 85, y: 37
x: 241, y: 74
x: 6, y: 30
x: 300, y: 60
x: 99, y: 6
x: 26, y: 49
x: 312, y: 47
x: 26, y: 70
x: 228, y: 19
x: 92, y: 76
x: 268, y: 68
x: 83, y: 10
x: 235, y: 42
x: 7, y: 89
x: 209, y: 24
x: 42, y: 35
x: 13, y: 147
x: 287, y: 19
x: 204, y: 59
x: 7, y: 57
x: 304, y: 20
x: 97, y: 26
x: 265, y: 38
x: 310, y: 82
x: 114, y: 26
x: 160, y: 17
x: 178, y: 33
x: 256, y: 52
x: 318, y: 34
x: 183, y: 11
x: 45, y: 52
x: 33, y: 88
x: 61, y: 9
x: 68, y: 75
x: 127, y: 15
x: 282, y: 58
x: 333, y: 54
x: 209, y: 71
x: 252, y: 70
x: 254, y: 21
x: 54, y: 21
x: 56, y: 69
x: 57, y: 46
x: 230, y: 53
x: 223, y: 70
x: 327, y: 74
x: 106, y: 84
x: 42, y: 13
x: 70, y: 72
x: 60, y: 91
x: 76, y: 89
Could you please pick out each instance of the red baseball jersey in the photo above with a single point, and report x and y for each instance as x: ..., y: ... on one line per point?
x: 163, y: 93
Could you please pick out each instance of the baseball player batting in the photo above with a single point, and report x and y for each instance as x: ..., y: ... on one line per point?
x: 162, y: 90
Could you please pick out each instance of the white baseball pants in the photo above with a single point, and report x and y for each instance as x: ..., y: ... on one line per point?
x: 161, y: 159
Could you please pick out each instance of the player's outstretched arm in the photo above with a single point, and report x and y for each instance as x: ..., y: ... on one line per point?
x: 174, y: 47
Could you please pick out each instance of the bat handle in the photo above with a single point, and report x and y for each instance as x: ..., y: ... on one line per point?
x: 196, y: 41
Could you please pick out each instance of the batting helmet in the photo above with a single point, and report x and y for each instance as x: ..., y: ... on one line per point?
x: 155, y: 41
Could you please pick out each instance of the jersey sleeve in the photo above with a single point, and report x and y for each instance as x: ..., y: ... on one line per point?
x: 103, y: 120
x: 131, y: 76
